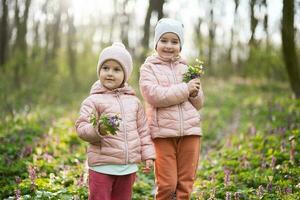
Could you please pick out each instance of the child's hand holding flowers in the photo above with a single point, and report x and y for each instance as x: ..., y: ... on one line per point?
x: 107, y: 125
x: 194, y: 86
x: 194, y: 71
x: 192, y: 77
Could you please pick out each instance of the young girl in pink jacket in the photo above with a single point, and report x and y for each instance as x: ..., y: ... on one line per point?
x: 172, y: 111
x: 113, y: 159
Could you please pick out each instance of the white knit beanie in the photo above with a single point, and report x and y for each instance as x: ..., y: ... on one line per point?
x: 118, y: 52
x: 168, y: 25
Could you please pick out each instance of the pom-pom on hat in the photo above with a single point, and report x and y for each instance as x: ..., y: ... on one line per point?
x: 168, y: 25
x: 118, y: 52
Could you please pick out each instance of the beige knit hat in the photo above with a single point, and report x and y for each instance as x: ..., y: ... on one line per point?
x: 118, y: 52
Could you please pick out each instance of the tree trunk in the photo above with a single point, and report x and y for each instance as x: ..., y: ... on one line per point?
x: 71, y: 46
x: 232, y: 31
x: 56, y: 32
x: 266, y: 24
x: 199, y: 38
x: 125, y: 24
x: 288, y: 46
x: 114, y: 18
x: 20, y: 46
x: 3, y: 34
x: 154, y: 5
x: 52, y: 33
x: 145, y: 40
x: 21, y: 24
x: 158, y: 7
x: 47, y: 34
x: 36, y: 44
x: 212, y: 29
x: 253, y: 22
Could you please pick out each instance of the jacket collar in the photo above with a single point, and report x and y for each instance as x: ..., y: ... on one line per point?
x: 156, y: 59
x: 98, y: 88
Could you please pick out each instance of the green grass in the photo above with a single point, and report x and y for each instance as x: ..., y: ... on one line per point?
x: 246, y: 124
x: 247, y: 137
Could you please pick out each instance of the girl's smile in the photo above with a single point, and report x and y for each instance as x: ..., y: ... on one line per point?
x: 168, y: 46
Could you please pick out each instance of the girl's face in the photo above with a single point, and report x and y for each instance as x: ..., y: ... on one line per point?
x: 111, y: 74
x: 168, y: 46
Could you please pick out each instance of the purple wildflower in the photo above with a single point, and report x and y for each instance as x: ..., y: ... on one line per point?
x: 80, y: 181
x: 228, y: 196
x: 111, y: 121
x: 236, y: 196
x: 263, y: 163
x: 110, y: 124
x: 269, y: 187
x: 273, y: 163
x: 288, y: 190
x: 212, y: 194
x: 18, y: 180
x: 18, y: 194
x: 194, y: 76
x: 283, y: 146
x: 114, y: 121
x: 26, y: 151
x: 48, y: 157
x: 32, y: 176
x: 227, y: 177
x: 244, y: 162
x: 292, y: 150
x: 260, y: 191
x: 252, y: 130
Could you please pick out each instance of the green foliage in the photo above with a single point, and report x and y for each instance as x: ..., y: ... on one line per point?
x: 55, y: 166
x: 45, y: 82
x: 144, y: 186
x: 246, y: 138
x: 257, y: 151
x: 265, y: 63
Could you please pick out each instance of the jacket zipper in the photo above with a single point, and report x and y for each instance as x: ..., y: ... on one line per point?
x: 179, y: 105
x: 124, y: 128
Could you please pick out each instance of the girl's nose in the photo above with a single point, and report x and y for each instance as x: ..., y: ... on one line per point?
x: 168, y: 45
x: 110, y: 72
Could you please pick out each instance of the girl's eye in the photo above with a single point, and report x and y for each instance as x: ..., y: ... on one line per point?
x: 163, y: 41
x: 117, y: 69
x: 105, y: 68
x: 174, y: 42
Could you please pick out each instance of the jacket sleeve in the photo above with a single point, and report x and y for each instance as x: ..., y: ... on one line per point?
x: 84, y: 128
x: 198, y: 100
x: 161, y: 96
x: 148, y: 151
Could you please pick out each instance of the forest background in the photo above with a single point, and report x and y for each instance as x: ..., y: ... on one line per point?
x: 48, y: 56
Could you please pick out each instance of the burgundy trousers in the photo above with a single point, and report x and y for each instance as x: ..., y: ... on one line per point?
x: 110, y: 187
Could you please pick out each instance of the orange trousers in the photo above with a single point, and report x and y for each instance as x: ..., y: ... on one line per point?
x: 175, y: 166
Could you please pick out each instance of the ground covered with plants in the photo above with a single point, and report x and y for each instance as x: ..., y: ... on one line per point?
x: 250, y: 147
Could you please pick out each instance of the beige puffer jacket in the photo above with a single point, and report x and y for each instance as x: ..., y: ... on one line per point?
x: 132, y: 143
x: 170, y: 110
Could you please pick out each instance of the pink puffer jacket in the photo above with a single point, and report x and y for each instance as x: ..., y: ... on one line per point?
x: 170, y: 110
x: 132, y: 143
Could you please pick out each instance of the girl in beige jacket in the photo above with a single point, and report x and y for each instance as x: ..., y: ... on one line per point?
x: 113, y: 159
x: 172, y: 111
